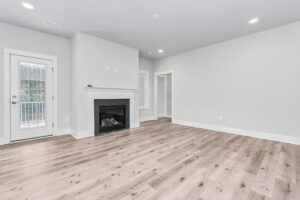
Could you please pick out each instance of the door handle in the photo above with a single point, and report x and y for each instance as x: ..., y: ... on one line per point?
x: 14, y: 102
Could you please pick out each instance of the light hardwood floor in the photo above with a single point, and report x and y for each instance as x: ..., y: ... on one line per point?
x: 157, y: 161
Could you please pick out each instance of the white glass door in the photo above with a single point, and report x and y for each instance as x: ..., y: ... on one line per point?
x: 31, y: 98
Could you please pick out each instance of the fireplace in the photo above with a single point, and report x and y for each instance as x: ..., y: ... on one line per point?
x: 111, y: 115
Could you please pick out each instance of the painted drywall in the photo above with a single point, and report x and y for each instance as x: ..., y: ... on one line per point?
x: 250, y: 83
x: 18, y: 38
x: 147, y: 65
x: 100, y: 63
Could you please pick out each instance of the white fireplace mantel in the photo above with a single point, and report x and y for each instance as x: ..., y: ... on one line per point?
x: 93, y: 93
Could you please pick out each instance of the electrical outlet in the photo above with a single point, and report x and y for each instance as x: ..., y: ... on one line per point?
x: 220, y: 117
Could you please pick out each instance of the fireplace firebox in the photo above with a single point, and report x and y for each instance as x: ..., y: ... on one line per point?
x: 111, y: 115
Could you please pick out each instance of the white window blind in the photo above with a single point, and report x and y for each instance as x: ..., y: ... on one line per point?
x: 144, y: 90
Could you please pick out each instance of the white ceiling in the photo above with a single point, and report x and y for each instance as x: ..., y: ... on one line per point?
x: 183, y: 24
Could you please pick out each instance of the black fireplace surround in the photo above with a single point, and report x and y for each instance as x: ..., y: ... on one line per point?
x: 111, y: 115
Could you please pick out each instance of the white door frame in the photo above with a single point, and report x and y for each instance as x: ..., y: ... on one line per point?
x: 7, y: 101
x: 156, y: 74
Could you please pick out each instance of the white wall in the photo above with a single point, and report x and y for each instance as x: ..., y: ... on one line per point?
x: 252, y: 81
x: 14, y: 37
x: 100, y: 63
x: 147, y: 65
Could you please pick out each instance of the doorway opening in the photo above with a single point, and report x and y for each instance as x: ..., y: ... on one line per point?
x: 163, y: 95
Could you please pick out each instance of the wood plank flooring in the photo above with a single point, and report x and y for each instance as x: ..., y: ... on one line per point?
x: 158, y: 161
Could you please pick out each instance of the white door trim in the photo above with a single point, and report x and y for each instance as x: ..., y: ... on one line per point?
x: 7, y: 53
x: 156, y: 74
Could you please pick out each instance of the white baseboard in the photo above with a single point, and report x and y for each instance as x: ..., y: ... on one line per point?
x: 149, y: 118
x: 165, y: 115
x: 60, y: 132
x: 237, y: 131
x: 57, y: 132
x: 81, y: 134
x: 3, y: 141
x: 73, y: 133
x: 90, y: 133
x: 135, y: 125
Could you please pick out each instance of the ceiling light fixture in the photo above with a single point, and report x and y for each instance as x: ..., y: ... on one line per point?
x: 27, y: 5
x: 160, y: 50
x: 155, y: 16
x: 253, y: 20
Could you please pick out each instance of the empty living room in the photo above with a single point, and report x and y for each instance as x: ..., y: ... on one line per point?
x: 149, y: 100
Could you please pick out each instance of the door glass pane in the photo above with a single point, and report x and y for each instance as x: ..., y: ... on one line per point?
x: 32, y: 95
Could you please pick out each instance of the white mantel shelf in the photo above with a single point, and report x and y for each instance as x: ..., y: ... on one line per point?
x: 93, y: 93
x: 106, y: 88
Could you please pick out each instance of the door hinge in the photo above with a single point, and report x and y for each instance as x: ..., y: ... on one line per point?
x: 52, y: 69
x: 52, y: 125
x: 52, y: 97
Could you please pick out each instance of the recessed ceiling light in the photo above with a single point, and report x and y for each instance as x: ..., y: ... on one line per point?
x: 155, y: 16
x: 27, y: 5
x: 253, y: 20
x: 160, y: 50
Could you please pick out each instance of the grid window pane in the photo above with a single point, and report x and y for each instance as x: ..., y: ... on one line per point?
x: 32, y: 95
x: 143, y: 89
x: 142, y: 98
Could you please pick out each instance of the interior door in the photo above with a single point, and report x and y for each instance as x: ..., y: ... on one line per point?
x: 31, y: 97
x: 161, y: 92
